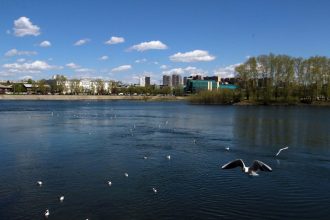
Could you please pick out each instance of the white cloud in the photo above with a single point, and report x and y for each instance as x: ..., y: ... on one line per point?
x: 23, y: 26
x: 45, y: 43
x: 15, y: 52
x: 190, y: 70
x: 104, y: 57
x: 72, y: 65
x: 26, y: 77
x: 151, y: 45
x: 163, y: 67
x: 20, y: 60
x: 32, y: 67
x: 84, y: 70
x: 192, y: 56
x: 115, y: 40
x: 174, y: 71
x: 121, y: 68
x: 5, y: 74
x: 227, y: 72
x: 81, y: 42
x: 141, y: 60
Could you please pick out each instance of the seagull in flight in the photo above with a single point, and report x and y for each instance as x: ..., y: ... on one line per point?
x: 252, y: 170
x: 279, y: 151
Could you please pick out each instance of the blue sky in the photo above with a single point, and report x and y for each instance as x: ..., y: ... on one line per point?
x: 154, y: 37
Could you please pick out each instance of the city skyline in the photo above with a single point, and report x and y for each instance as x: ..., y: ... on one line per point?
x: 128, y: 39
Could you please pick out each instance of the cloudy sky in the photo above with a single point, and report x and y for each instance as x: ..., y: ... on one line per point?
x: 125, y: 39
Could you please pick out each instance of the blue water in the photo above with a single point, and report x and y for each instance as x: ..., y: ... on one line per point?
x: 75, y: 147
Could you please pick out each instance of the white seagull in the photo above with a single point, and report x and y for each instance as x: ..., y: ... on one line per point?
x: 61, y: 198
x: 109, y: 183
x: 145, y: 157
x: 155, y: 190
x: 126, y: 174
x: 168, y: 157
x: 227, y: 148
x: 252, y: 170
x: 279, y: 151
x: 39, y: 183
x: 47, y: 213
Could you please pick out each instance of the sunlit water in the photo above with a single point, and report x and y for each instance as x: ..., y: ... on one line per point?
x: 75, y: 147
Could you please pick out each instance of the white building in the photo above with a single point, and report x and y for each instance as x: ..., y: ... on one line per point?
x: 142, y: 81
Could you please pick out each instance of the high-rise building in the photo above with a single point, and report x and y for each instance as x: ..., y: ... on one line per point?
x: 145, y: 81
x: 176, y: 80
x: 185, y: 80
x: 167, y: 80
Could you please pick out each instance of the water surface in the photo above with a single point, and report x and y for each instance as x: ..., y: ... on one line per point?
x: 75, y: 147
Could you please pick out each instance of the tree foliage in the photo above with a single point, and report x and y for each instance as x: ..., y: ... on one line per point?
x: 281, y: 78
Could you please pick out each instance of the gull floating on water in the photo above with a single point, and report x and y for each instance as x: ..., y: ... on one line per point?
x: 145, y: 157
x: 61, y: 198
x: 279, y: 151
x: 194, y: 141
x: 227, y: 148
x: 168, y: 157
x: 109, y: 183
x: 155, y: 190
x: 39, y: 183
x: 126, y: 174
x: 252, y: 170
x: 47, y: 213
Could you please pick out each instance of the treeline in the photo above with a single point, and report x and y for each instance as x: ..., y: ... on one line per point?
x: 223, y: 96
x: 275, y: 79
x: 281, y: 78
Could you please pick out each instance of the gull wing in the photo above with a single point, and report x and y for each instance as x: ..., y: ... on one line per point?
x: 284, y: 148
x: 233, y: 164
x: 259, y: 165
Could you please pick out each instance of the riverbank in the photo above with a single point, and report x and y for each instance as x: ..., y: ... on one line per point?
x: 146, y: 98
x: 254, y: 103
x: 90, y: 97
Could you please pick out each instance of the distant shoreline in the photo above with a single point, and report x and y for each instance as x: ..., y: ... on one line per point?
x: 139, y: 98
x: 90, y: 97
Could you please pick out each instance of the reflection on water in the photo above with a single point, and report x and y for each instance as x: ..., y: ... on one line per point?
x: 303, y: 127
x: 76, y: 147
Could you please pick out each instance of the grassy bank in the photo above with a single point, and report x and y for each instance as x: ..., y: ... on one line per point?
x: 234, y: 97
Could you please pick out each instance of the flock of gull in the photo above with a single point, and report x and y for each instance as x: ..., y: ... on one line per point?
x: 252, y: 170
x: 61, y: 198
x: 256, y: 166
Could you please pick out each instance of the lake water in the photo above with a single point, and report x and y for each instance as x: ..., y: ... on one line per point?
x: 75, y: 147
